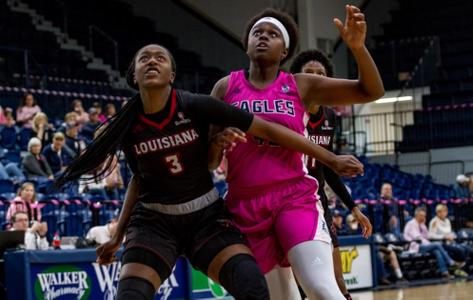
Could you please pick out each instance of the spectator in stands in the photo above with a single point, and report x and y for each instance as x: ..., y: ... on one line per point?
x: 113, y: 180
x: 98, y: 107
x: 353, y: 226
x: 386, y: 254
x: 440, y: 228
x: 72, y: 138
x: 70, y: 117
x: 462, y: 187
x: 58, y: 154
x: 107, y: 187
x: 110, y: 110
x: 416, y: 232
x: 42, y: 129
x: 34, y: 164
x: 337, y: 220
x: 11, y: 172
x: 102, y: 234
x: 9, y: 119
x: 35, y: 237
x: 25, y: 201
x: 82, y: 115
x: 390, y: 209
x: 3, y: 120
x: 88, y: 129
x: 27, y: 110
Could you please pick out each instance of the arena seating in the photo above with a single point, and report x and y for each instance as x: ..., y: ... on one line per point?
x: 447, y: 113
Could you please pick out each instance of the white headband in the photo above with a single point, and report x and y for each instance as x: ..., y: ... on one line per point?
x: 278, y: 25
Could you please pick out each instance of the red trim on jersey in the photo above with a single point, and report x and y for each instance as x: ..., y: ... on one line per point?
x: 165, y: 121
x: 313, y: 125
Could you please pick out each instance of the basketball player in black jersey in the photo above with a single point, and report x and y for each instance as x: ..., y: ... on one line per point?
x: 321, y: 129
x: 171, y: 206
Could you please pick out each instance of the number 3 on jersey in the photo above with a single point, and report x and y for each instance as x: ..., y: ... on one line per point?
x: 174, y: 164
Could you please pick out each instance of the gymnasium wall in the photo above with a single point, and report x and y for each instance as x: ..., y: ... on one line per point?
x: 193, y: 34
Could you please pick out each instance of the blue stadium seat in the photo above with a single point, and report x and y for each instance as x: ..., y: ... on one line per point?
x: 24, y: 137
x: 8, y: 137
x: 6, y: 186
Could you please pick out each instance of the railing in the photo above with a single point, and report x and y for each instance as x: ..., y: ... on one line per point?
x: 94, y: 28
x: 375, y: 133
x: 423, y: 72
x: 64, y: 15
x: 388, y: 133
x: 30, y: 64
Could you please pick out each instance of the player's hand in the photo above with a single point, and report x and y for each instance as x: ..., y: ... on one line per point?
x: 353, y: 32
x: 228, y: 138
x: 364, y: 222
x: 106, y: 252
x: 347, y: 165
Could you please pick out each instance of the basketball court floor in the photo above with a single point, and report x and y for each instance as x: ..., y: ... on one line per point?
x: 460, y: 290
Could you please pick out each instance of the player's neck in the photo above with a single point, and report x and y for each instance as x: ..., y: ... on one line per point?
x: 154, y: 100
x: 261, y: 76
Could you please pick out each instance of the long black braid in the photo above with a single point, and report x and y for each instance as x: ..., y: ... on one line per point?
x: 109, y: 140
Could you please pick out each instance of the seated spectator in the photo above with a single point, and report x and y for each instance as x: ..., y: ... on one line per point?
x: 42, y: 129
x: 88, y: 129
x: 72, y: 138
x: 27, y: 110
x: 58, y: 155
x: 110, y: 110
x: 389, y: 256
x: 337, y: 220
x: 98, y: 107
x: 82, y: 116
x: 3, y: 120
x: 462, y: 187
x: 102, y: 234
x: 416, y: 232
x: 353, y: 226
x: 12, y: 172
x: 35, y: 165
x: 440, y: 228
x: 70, y: 117
x: 107, y: 187
x: 25, y: 202
x: 9, y: 119
x: 113, y: 179
x: 35, y: 236
x: 390, y: 209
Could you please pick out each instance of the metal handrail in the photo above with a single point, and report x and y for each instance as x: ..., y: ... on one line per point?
x: 93, y: 28
x: 27, y: 58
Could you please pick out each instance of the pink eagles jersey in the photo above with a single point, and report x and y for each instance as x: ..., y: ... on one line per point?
x: 257, y: 165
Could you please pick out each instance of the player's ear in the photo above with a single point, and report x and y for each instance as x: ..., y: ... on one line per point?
x: 173, y: 76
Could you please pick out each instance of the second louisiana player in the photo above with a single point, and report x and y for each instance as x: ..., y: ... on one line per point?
x: 321, y: 130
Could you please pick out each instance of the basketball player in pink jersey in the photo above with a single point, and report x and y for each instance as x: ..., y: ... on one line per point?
x: 269, y: 192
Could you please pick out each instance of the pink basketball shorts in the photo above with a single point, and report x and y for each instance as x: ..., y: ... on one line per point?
x: 278, y: 218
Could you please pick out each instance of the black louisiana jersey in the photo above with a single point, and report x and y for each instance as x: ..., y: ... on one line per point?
x: 167, y: 151
x: 320, y: 129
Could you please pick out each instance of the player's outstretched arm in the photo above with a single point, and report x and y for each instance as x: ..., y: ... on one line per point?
x: 368, y: 87
x: 346, y: 165
x: 106, y: 252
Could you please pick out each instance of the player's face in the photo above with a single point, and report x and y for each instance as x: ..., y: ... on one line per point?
x: 153, y: 67
x: 314, y: 67
x: 265, y: 42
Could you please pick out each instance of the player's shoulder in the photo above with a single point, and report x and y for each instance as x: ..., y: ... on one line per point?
x: 220, y: 88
